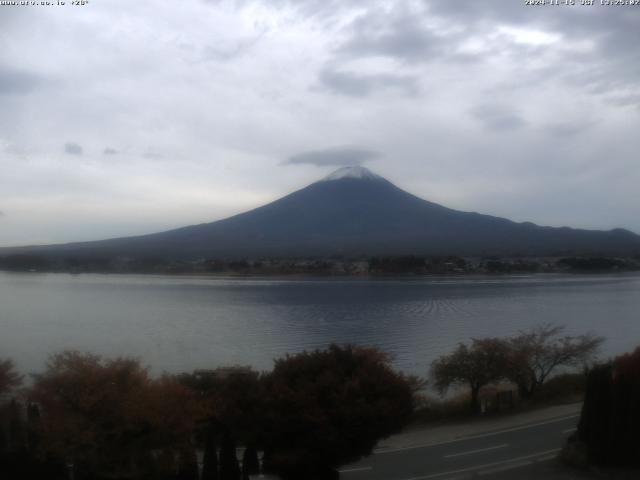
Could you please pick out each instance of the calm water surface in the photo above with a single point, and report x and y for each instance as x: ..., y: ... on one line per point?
x: 183, y: 323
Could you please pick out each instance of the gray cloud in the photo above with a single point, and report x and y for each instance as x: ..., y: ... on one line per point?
x: 152, y: 155
x: 71, y: 148
x: 337, y: 156
x: 15, y: 82
x: 110, y: 151
x: 497, y: 117
x: 568, y: 130
x: 356, y: 85
x: 13, y: 149
x: 434, y: 31
x: 229, y: 52
x: 404, y: 37
x: 306, y: 8
x: 489, y: 10
x: 625, y: 100
x: 608, y: 66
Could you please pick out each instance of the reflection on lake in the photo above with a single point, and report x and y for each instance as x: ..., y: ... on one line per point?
x: 183, y: 323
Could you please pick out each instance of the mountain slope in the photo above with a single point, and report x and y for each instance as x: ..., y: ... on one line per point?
x: 356, y: 212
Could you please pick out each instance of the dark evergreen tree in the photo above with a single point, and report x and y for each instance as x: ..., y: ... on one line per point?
x: 210, y: 458
x: 610, y: 418
x: 229, y: 467
x: 625, y: 422
x: 593, y: 428
x: 3, y: 436
x: 250, y: 462
x: 17, y: 430
x: 268, y: 465
x: 33, y: 422
x: 166, y: 465
x: 146, y: 468
x: 188, y: 464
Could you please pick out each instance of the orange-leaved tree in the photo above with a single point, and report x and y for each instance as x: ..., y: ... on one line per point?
x: 106, y: 416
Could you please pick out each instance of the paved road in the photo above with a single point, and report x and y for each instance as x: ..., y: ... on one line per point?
x: 483, y: 454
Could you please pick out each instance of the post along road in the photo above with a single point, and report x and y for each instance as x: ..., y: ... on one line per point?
x: 476, y: 454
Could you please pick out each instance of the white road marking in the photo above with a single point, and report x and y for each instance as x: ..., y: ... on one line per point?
x: 473, y: 437
x: 470, y: 452
x: 511, y: 466
x: 488, y: 465
x: 356, y: 469
x: 569, y: 430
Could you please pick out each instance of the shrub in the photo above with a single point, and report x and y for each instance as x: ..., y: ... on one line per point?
x: 330, y: 407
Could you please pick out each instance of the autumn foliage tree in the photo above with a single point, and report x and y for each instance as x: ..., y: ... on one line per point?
x: 12, y: 430
x: 476, y: 365
x: 9, y: 378
x: 527, y: 360
x: 328, y: 407
x: 232, y: 399
x: 106, y: 416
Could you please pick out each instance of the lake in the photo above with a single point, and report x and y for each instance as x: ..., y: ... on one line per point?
x: 183, y: 323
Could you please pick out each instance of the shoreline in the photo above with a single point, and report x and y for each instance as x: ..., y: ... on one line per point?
x: 329, y: 276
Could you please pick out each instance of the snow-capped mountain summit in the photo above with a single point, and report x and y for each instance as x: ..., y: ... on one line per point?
x: 348, y: 213
x: 354, y: 171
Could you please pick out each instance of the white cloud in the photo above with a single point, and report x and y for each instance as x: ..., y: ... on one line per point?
x: 531, y: 37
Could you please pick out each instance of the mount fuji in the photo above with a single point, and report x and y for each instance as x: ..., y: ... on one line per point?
x: 352, y: 212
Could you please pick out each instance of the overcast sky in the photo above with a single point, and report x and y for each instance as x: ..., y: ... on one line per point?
x: 124, y: 117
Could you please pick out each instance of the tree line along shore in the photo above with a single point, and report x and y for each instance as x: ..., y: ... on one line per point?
x: 327, y: 266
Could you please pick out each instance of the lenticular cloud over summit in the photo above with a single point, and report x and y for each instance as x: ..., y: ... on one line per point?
x: 348, y: 156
